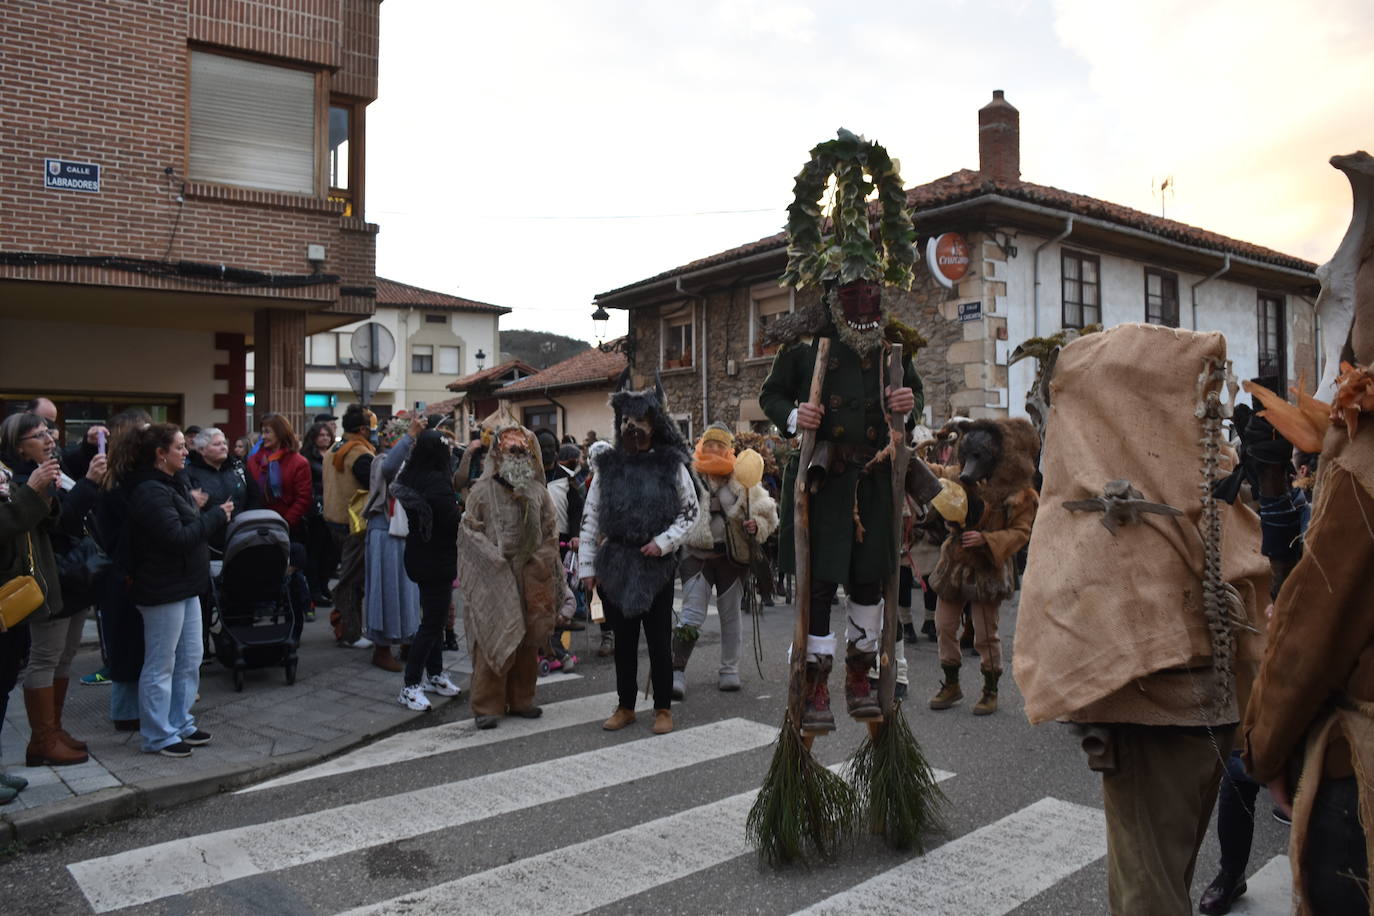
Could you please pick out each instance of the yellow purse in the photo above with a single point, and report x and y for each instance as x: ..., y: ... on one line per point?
x: 20, y: 596
x: 357, y: 522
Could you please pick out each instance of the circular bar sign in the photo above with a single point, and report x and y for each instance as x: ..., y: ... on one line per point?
x: 947, y: 256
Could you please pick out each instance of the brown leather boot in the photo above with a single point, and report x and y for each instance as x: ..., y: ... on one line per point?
x: 59, y: 699
x: 949, y: 691
x: 382, y: 658
x: 987, y: 703
x: 858, y: 692
x: 619, y: 719
x: 663, y: 721
x: 45, y: 749
x: 816, y: 714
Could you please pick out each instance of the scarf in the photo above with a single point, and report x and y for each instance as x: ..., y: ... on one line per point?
x: 351, y: 441
x: 713, y: 464
x: 272, y: 471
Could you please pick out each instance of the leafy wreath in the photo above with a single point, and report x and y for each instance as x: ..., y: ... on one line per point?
x: 848, y: 252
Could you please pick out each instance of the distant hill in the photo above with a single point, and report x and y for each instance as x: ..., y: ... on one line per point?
x: 539, y: 348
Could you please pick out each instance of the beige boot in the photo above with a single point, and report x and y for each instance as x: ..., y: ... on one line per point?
x: 987, y: 703
x: 663, y: 721
x: 949, y: 691
x: 619, y: 719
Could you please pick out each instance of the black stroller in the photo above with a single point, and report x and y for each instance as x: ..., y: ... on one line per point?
x: 254, y: 624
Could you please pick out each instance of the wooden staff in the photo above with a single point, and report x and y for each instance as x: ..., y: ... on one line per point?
x: 901, y: 457
x: 801, y: 530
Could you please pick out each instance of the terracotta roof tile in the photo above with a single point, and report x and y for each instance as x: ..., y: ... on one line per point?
x: 589, y: 368
x: 967, y: 184
x: 490, y: 374
x: 389, y: 292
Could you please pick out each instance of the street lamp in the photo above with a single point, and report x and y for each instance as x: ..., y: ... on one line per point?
x: 600, y: 318
x: 481, y: 360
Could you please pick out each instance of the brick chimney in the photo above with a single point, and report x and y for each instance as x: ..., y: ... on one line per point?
x: 999, y: 140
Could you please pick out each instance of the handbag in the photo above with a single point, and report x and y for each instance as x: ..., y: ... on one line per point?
x: 399, y: 524
x: 81, y: 572
x: 357, y: 522
x: 20, y: 596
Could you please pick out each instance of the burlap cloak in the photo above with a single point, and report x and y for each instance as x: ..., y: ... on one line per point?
x: 1100, y: 611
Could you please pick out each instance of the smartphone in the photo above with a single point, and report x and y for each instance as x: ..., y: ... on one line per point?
x: 100, y: 441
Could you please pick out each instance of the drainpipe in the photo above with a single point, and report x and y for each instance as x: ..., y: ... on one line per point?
x: 1035, y: 262
x: 1225, y: 266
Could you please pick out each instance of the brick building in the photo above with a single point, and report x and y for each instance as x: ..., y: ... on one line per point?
x: 1039, y: 259
x: 183, y: 181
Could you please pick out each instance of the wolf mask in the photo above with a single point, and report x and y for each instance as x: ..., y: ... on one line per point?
x: 641, y: 418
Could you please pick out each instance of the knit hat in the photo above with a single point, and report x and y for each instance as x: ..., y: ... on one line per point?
x: 719, y: 432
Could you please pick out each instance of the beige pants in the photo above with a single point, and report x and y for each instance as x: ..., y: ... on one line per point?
x: 54, y: 646
x: 1158, y: 804
x: 985, y: 638
x: 495, y: 694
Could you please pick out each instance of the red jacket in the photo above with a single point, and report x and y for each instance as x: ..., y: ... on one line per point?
x: 297, y: 494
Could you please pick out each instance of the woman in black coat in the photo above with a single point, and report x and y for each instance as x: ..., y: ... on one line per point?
x: 166, y: 550
x: 425, y: 489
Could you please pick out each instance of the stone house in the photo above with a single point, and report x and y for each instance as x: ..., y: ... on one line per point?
x: 1036, y: 259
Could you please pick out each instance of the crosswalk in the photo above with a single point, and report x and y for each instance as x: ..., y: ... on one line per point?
x: 992, y: 869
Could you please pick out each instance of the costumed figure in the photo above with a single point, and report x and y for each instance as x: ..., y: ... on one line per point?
x: 997, y: 468
x: 638, y: 511
x: 718, y: 554
x: 1141, y: 601
x: 509, y: 571
x: 1312, y: 711
x: 347, y: 475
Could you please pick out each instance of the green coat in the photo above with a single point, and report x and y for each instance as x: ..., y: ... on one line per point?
x: 854, y: 417
x: 25, y: 521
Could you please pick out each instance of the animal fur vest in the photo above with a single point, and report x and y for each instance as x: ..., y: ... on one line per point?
x: 638, y: 501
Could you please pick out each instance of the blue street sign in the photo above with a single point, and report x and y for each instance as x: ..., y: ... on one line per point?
x: 61, y: 175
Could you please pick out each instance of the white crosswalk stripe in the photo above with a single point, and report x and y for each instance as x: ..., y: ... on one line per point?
x: 453, y: 737
x: 184, y: 865
x: 599, y: 871
x: 992, y: 870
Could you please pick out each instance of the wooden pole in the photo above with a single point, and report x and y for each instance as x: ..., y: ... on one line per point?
x: 801, y: 530
x: 901, y: 457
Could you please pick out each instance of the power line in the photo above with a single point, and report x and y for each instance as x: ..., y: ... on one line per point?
x: 506, y: 216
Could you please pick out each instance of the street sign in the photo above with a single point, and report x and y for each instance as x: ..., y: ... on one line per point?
x: 971, y: 311
x: 62, y: 175
x: 364, y: 382
x: 373, y: 346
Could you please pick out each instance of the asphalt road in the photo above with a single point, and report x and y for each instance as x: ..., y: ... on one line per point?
x: 558, y: 816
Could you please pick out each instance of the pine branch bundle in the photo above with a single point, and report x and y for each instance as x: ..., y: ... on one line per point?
x: 895, y: 786
x: 803, y: 812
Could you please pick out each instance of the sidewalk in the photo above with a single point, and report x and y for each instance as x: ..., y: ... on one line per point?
x: 339, y: 700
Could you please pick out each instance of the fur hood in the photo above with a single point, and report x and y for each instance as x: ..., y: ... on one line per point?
x: 1016, y: 469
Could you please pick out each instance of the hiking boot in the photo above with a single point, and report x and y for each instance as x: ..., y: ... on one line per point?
x: 858, y: 694
x: 1224, y: 891
x: 987, y: 703
x: 663, y: 721
x: 816, y: 714
x: 382, y: 658
x: 949, y: 690
x: 607, y: 647
x: 619, y: 719
x: 909, y: 635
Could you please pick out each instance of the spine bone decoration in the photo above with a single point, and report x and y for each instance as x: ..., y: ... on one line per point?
x: 1219, y: 600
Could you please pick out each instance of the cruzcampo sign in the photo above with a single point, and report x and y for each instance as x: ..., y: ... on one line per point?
x: 947, y: 256
x: 61, y: 175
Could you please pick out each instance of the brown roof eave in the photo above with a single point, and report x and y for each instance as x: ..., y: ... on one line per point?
x: 673, y: 285
x: 526, y: 394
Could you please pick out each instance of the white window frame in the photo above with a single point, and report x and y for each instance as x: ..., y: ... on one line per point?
x: 672, y: 319
x: 415, y: 352
x: 761, y: 292
x: 680, y: 419
x: 457, y: 369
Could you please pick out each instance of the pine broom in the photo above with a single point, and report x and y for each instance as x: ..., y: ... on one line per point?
x: 803, y: 810
x: 892, y: 779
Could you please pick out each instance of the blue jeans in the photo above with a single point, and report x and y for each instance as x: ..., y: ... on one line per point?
x: 123, y: 700
x: 172, y: 653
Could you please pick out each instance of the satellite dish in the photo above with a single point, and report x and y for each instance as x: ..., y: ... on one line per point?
x: 373, y: 346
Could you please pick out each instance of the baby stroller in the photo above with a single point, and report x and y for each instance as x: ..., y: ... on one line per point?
x: 254, y: 624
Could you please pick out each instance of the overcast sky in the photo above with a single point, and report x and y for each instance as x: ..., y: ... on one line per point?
x: 533, y: 153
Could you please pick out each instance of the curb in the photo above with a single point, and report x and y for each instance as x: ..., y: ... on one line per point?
x: 119, y: 802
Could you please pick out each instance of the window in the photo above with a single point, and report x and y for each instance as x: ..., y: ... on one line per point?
x: 436, y: 319
x: 252, y: 124
x: 684, y: 425
x: 322, y: 350
x: 766, y: 305
x: 344, y: 344
x: 1081, y: 286
x: 345, y: 154
x: 448, y: 360
x: 679, y: 331
x: 542, y: 417
x: 1161, y: 297
x: 1273, y: 346
x: 421, y: 358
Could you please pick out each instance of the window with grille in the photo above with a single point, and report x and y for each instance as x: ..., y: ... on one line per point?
x: 766, y: 305
x: 1081, y: 289
x: 1161, y: 297
x: 678, y: 334
x: 252, y: 124
x: 422, y: 358
x: 1273, y: 344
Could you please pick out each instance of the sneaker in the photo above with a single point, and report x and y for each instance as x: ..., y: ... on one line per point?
x: 10, y: 781
x: 441, y: 684
x: 310, y: 616
x: 362, y: 642
x: 1281, y: 817
x: 97, y: 678
x: 8, y: 795
x: 180, y: 749
x: 569, y: 663
x: 196, y: 738
x: 413, y: 697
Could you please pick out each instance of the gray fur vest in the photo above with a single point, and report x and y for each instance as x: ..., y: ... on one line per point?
x: 638, y: 501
